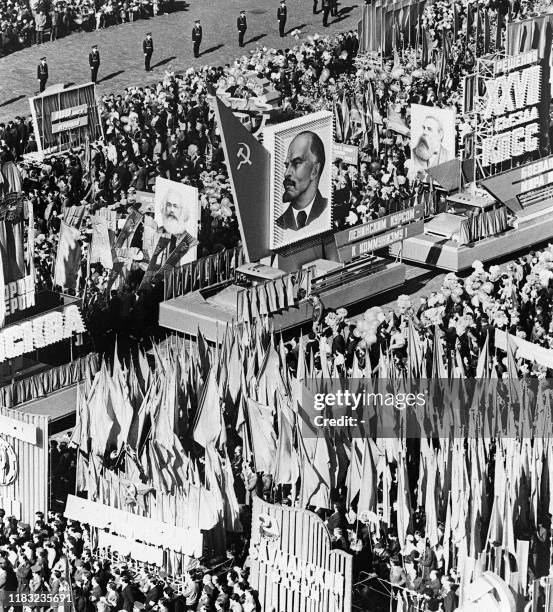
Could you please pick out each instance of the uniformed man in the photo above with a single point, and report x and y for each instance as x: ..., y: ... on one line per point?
x: 242, y: 26
x: 94, y: 63
x: 326, y: 12
x: 197, y: 37
x: 148, y: 48
x: 42, y: 73
x: 282, y: 14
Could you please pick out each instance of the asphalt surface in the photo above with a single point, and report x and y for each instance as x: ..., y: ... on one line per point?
x: 120, y: 47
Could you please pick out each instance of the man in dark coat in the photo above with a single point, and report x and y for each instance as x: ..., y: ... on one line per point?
x: 148, y: 48
x: 128, y: 595
x: 326, y: 12
x: 197, y: 37
x: 282, y: 15
x: 94, y: 63
x: 242, y: 26
x: 42, y: 74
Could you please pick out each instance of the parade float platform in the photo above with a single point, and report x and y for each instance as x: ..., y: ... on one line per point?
x: 212, y: 309
x: 531, y: 226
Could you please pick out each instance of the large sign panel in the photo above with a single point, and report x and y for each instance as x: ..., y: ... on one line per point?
x: 381, y: 241
x: 382, y: 224
x: 524, y: 186
x: 25, y: 337
x: 65, y: 118
x: 301, y: 178
x: 511, y: 104
x: 292, y: 564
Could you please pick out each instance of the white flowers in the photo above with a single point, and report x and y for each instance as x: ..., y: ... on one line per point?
x: 352, y: 218
x: 403, y: 303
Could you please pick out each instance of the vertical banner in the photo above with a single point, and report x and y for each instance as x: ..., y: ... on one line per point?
x: 126, y: 235
x: 149, y: 236
x: 68, y: 257
x: 155, y: 261
x: 100, y: 248
x: 248, y: 164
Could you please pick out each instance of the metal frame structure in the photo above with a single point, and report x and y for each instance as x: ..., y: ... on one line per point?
x: 484, y: 128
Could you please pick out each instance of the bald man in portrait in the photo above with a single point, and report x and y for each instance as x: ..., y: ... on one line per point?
x: 304, y: 165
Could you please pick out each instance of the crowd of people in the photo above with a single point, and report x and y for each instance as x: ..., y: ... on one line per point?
x: 24, y: 23
x: 54, y: 557
x: 462, y: 316
x: 169, y: 130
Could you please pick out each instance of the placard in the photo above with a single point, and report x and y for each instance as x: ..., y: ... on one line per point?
x: 349, y: 154
x: 66, y: 118
x: 524, y: 186
x: 26, y: 432
x: 382, y: 224
x: 381, y: 241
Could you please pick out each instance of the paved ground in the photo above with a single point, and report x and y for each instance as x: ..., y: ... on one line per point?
x: 121, y: 46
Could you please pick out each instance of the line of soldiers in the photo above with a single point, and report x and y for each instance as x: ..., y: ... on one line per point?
x: 329, y: 8
x: 93, y: 62
x: 242, y: 24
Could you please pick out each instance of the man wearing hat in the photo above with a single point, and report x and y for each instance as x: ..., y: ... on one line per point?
x: 282, y: 14
x: 242, y: 26
x: 148, y: 48
x: 42, y: 73
x: 94, y: 63
x: 197, y: 37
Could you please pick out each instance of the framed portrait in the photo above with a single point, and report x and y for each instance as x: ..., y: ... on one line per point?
x: 432, y: 137
x: 301, y: 178
x: 176, y: 210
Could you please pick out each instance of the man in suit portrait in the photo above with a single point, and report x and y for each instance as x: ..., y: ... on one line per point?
x: 304, y: 165
x: 429, y: 150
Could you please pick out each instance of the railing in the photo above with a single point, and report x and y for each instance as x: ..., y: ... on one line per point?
x: 50, y: 380
x: 388, y: 592
x: 204, y: 272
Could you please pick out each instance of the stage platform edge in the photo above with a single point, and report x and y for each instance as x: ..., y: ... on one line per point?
x: 186, y: 314
x: 444, y: 254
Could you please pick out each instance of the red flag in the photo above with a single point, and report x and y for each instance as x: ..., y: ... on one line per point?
x: 68, y: 257
x: 249, y: 164
x: 209, y: 425
x: 263, y: 436
x: 345, y: 119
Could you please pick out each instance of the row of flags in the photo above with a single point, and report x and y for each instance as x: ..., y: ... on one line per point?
x: 357, y: 118
x: 171, y: 425
x: 386, y: 28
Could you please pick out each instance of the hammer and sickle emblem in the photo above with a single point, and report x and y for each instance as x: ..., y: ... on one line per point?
x: 244, y: 155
